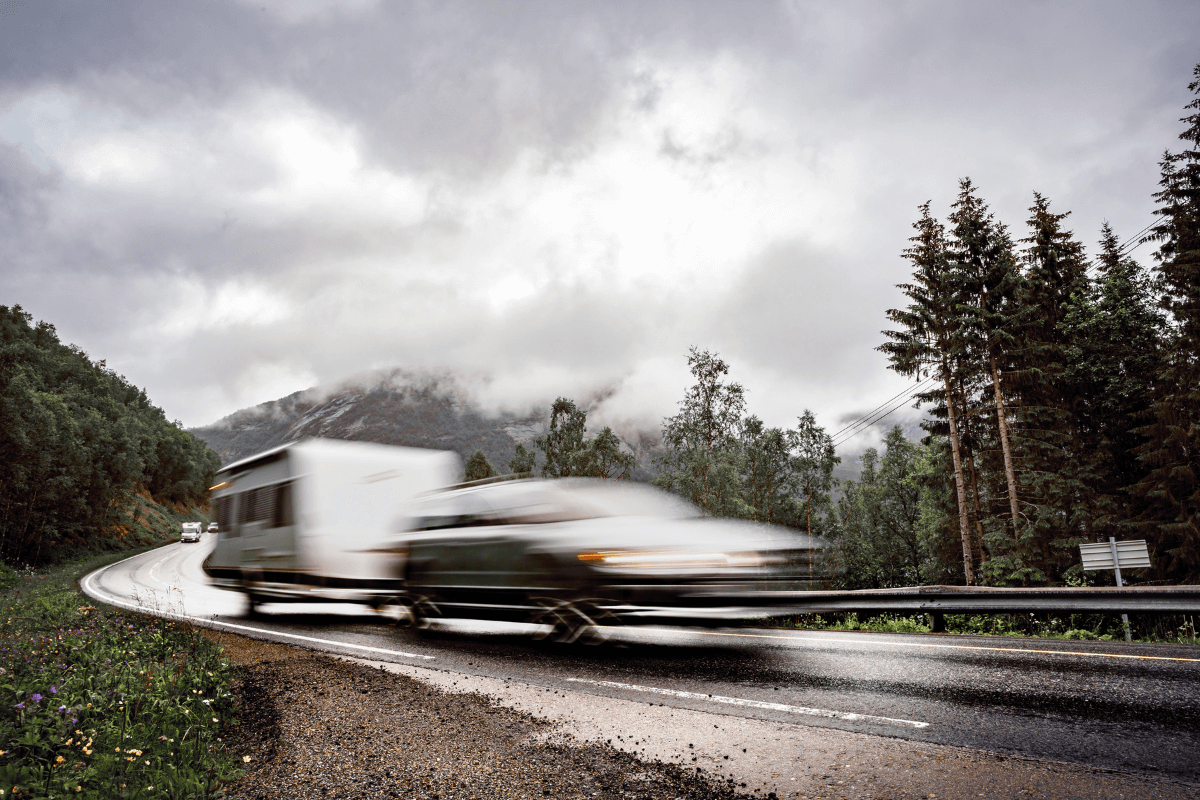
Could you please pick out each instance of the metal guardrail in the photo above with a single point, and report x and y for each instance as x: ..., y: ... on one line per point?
x: 986, y: 599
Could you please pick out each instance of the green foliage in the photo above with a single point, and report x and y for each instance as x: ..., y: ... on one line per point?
x: 76, y: 442
x: 1170, y: 491
x: 523, y: 462
x: 701, y: 463
x: 99, y: 703
x: 478, y: 467
x: 569, y: 453
x: 879, y: 541
x: 734, y: 466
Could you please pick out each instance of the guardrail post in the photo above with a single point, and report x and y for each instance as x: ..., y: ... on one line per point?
x: 1112, y: 542
x: 937, y: 622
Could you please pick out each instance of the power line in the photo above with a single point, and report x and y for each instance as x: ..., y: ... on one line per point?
x: 872, y: 411
x: 876, y: 416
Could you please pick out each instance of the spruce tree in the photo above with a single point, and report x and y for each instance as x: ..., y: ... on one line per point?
x: 1171, y: 490
x: 1053, y: 407
x: 1112, y: 361
x: 928, y: 343
x: 478, y: 467
x: 981, y: 252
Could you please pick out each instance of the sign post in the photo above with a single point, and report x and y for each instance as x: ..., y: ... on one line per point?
x: 1114, y: 555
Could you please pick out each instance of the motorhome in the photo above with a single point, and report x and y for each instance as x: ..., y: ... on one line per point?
x: 313, y: 520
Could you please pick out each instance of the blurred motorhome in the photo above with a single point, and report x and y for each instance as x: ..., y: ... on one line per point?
x: 313, y: 520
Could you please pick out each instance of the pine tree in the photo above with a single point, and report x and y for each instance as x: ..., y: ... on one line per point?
x: 478, y: 467
x: 1171, y: 490
x: 1052, y: 408
x: 928, y: 343
x: 1111, y: 361
x: 981, y: 252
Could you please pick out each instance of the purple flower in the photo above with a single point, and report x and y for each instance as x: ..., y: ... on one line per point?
x: 53, y: 690
x: 35, y: 697
x: 19, y: 705
x: 61, y: 709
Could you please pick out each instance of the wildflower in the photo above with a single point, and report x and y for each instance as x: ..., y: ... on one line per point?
x: 53, y: 690
x: 19, y: 706
x: 61, y: 709
x: 35, y: 697
x: 59, y: 760
x: 246, y: 759
x: 214, y: 719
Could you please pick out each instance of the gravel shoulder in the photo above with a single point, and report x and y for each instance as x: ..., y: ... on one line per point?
x: 314, y: 725
x: 319, y: 725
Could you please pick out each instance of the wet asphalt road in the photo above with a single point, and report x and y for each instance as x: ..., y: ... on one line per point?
x: 1132, y: 708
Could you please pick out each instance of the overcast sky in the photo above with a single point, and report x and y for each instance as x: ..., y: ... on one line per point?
x: 231, y: 201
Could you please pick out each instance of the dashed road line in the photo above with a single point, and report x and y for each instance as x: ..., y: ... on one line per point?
x: 886, y: 643
x: 737, y: 701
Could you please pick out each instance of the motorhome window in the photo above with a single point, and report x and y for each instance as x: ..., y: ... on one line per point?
x: 266, y: 499
x: 245, y: 507
x: 225, y: 513
x: 284, y: 515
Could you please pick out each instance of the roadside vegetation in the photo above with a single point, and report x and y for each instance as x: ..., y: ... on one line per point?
x: 101, y: 703
x: 1161, y: 628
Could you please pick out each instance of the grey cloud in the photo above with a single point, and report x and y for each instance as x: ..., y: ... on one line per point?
x: 896, y: 101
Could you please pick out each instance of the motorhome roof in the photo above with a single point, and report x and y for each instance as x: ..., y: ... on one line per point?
x: 261, y: 458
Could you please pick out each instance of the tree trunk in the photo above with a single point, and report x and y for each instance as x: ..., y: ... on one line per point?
x: 969, y: 457
x: 963, y: 525
x: 1013, y: 507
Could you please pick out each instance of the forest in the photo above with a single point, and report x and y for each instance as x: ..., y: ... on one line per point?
x: 78, y: 443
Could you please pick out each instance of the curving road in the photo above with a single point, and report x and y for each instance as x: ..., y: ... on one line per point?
x: 785, y: 711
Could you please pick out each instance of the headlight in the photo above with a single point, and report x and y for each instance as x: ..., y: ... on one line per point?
x: 672, y: 559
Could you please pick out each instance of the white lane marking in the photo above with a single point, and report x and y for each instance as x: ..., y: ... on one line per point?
x: 104, y: 597
x: 737, y: 701
x: 157, y: 564
x: 892, y: 643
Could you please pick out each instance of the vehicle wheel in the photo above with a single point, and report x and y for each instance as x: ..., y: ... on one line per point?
x: 415, y: 613
x: 571, y: 622
x: 253, y: 605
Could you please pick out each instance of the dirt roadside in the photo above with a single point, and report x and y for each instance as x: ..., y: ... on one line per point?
x: 317, y: 725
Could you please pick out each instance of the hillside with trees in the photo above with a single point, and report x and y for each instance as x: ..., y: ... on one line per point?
x: 86, y: 460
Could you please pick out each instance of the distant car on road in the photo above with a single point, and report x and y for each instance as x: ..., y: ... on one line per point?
x: 213, y: 527
x: 191, y: 532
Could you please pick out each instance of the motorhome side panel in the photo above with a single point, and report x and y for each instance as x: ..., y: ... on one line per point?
x: 348, y: 506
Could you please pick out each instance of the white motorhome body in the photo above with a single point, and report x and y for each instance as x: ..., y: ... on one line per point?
x: 313, y: 520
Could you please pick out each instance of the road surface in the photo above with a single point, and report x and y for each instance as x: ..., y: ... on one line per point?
x: 776, y: 709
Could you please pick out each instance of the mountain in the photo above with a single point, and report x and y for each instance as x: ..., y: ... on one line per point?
x: 402, y: 408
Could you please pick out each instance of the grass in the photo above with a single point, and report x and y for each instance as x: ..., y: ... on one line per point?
x: 101, y: 703
x: 1173, y: 628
